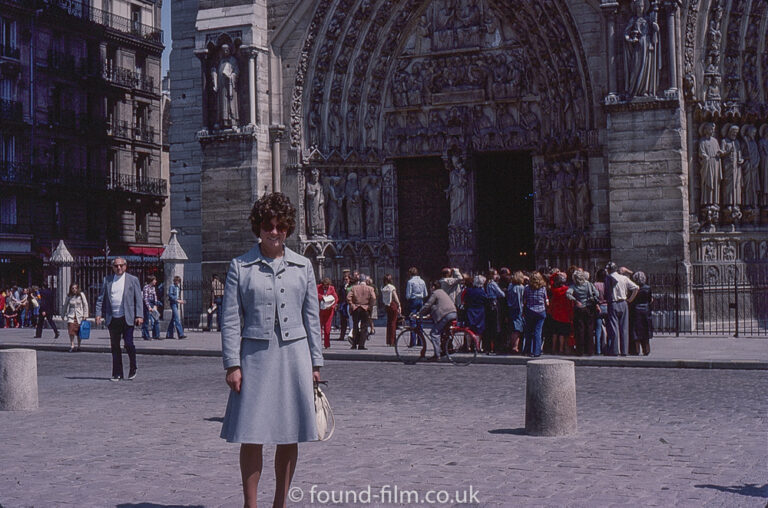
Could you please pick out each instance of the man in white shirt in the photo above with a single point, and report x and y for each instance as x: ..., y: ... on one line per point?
x: 619, y: 291
x: 121, y: 305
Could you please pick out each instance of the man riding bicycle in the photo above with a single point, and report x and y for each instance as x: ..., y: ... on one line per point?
x: 442, y: 309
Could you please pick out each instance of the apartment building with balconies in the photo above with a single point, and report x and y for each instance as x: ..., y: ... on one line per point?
x: 80, y: 130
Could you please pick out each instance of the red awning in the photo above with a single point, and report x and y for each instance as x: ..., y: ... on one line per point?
x: 146, y: 251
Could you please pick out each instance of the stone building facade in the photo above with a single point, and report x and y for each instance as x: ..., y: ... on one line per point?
x: 80, y: 149
x: 474, y: 132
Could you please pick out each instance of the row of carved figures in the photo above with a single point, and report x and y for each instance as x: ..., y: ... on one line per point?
x: 563, y: 195
x: 338, y: 205
x: 733, y: 173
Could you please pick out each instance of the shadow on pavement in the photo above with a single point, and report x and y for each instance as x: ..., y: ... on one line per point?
x: 520, y: 431
x: 87, y: 377
x: 219, y: 419
x: 155, y: 505
x: 750, y: 489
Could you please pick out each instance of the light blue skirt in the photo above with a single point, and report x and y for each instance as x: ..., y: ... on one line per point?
x: 276, y: 402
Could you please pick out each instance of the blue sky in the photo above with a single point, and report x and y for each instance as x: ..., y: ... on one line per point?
x: 166, y: 19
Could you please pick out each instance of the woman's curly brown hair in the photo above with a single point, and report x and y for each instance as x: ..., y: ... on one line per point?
x: 271, y: 206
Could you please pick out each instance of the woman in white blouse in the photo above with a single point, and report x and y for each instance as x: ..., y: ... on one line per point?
x: 392, y: 306
x: 75, y: 310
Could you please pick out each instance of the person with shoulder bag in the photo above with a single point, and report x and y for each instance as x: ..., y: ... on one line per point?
x: 74, y: 311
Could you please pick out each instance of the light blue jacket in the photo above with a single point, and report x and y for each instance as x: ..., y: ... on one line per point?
x: 254, y: 295
x: 173, y: 294
x: 133, y: 301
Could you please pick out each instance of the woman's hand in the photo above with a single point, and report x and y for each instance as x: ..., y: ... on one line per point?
x: 316, y: 375
x: 234, y: 378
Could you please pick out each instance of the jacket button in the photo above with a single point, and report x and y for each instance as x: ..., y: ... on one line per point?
x: 286, y: 334
x: 285, y: 320
x: 279, y: 276
x: 282, y: 305
x: 282, y: 290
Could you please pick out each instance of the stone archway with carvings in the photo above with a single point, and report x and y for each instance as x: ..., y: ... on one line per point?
x: 382, y: 79
x: 725, y: 69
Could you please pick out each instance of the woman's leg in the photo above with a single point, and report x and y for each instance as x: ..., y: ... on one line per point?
x: 285, y: 464
x: 250, y: 470
x: 515, y: 342
x: 72, y: 329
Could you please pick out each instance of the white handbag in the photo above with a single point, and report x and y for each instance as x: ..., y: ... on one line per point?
x: 323, y: 416
x: 327, y: 303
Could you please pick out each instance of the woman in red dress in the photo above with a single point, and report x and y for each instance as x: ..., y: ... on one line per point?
x: 326, y: 293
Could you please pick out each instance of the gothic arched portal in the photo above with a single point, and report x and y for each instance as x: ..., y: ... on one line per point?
x: 380, y: 81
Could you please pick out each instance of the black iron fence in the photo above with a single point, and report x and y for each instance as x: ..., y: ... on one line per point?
x: 196, y: 294
x: 89, y: 273
x: 712, y: 299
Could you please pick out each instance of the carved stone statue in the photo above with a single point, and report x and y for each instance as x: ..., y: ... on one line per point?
x: 763, y: 144
x: 314, y: 204
x: 751, y: 166
x: 354, y: 206
x: 732, y: 165
x: 583, y: 203
x: 710, y: 169
x: 335, y: 202
x: 457, y: 193
x: 224, y: 79
x: 642, y: 52
x: 372, y: 195
x: 558, y: 176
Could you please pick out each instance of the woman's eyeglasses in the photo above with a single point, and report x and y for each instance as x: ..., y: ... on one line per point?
x: 267, y: 227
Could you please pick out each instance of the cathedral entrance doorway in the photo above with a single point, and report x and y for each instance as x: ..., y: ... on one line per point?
x: 423, y: 216
x: 504, y: 204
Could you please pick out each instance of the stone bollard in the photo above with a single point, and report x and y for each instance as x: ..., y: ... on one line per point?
x: 18, y: 379
x: 550, y: 398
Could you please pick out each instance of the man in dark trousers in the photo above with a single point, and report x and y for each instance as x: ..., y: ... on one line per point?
x: 46, y: 312
x: 121, y: 305
x: 361, y: 298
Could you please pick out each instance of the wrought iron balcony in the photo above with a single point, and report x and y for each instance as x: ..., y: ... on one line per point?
x: 10, y: 52
x: 144, y: 133
x: 12, y: 172
x: 129, y: 79
x: 123, y: 25
x: 119, y: 129
x: 11, y: 111
x: 142, y: 185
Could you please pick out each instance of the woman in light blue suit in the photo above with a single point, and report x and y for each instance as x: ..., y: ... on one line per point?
x: 272, y: 348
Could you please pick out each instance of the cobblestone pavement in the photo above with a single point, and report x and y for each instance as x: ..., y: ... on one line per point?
x: 646, y: 437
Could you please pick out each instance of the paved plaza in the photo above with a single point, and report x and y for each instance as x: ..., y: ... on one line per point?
x: 646, y: 437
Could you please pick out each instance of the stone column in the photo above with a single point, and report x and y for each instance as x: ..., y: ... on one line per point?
x: 672, y: 91
x: 64, y: 261
x: 252, y: 88
x: 18, y: 379
x: 173, y: 259
x: 609, y: 9
x: 276, y: 133
x: 550, y: 398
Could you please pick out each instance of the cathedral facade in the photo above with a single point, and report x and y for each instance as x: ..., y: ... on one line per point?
x: 474, y: 132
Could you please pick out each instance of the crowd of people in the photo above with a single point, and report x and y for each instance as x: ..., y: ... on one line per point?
x: 28, y: 307
x: 561, y: 312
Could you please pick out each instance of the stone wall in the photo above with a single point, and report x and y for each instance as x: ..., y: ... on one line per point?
x: 648, y: 187
x: 186, y: 115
